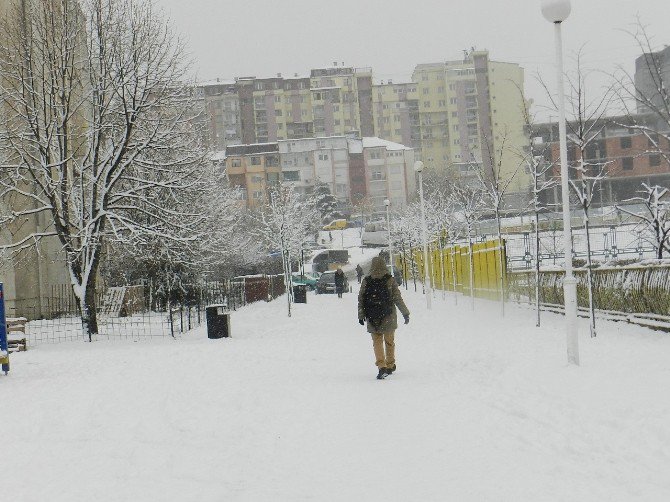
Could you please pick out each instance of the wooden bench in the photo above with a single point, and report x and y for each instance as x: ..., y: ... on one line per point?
x: 16, y: 334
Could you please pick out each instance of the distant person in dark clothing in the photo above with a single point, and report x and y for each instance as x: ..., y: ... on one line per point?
x: 340, y: 281
x: 359, y: 273
x: 397, y: 275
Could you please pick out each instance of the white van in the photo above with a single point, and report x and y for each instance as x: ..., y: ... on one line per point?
x: 375, y: 234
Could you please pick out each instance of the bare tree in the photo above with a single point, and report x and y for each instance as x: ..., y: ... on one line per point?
x: 284, y: 224
x: 495, y: 183
x: 656, y: 217
x: 539, y: 170
x: 98, y: 128
x: 468, y: 203
x: 585, y: 131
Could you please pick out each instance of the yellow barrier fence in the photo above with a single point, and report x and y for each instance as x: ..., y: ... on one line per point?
x: 451, y: 269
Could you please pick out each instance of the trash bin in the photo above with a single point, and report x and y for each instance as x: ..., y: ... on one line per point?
x: 300, y: 293
x: 218, y: 321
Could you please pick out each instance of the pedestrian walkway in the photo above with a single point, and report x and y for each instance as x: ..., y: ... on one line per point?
x: 480, y: 408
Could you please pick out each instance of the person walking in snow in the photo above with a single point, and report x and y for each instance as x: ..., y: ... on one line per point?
x: 359, y: 273
x: 377, y: 301
x: 340, y: 281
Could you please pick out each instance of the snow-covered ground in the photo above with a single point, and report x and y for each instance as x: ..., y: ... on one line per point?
x: 288, y: 409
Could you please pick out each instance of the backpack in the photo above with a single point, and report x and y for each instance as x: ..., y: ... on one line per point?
x: 377, y: 302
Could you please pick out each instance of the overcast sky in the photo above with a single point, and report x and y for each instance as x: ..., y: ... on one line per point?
x: 229, y: 38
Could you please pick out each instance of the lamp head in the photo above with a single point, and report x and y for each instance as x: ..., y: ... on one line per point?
x: 555, y: 11
x: 387, y: 202
x: 418, y: 166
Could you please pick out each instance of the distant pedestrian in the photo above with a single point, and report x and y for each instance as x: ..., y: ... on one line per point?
x: 377, y: 300
x: 397, y: 275
x: 359, y: 273
x: 330, y: 235
x: 340, y: 281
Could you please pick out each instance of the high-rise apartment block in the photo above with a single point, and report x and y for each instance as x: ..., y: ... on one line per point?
x: 471, y: 117
x: 652, y: 78
x: 463, y: 118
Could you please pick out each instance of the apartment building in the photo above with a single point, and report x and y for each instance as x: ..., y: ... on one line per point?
x: 352, y: 168
x: 28, y: 276
x: 330, y: 101
x: 650, y: 69
x: 460, y: 117
x: 629, y: 157
x: 342, y: 101
x: 471, y: 118
x: 396, y: 113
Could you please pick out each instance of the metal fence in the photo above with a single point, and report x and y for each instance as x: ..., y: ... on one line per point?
x: 607, y: 243
x: 138, y: 311
x: 639, y: 294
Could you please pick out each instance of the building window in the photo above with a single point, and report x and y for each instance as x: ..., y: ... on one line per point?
x: 625, y: 142
x: 255, y: 161
x: 236, y: 162
x: 654, y: 160
x: 375, y: 154
x: 257, y: 179
x: 257, y: 194
x: 442, y: 102
x: 271, y: 161
x: 627, y: 163
x: 277, y: 99
x: 278, y: 113
x: 323, y: 156
x: 377, y: 175
x: 426, y: 90
x: 426, y: 104
x: 292, y: 175
x: 453, y: 101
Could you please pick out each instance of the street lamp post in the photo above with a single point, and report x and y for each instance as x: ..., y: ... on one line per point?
x: 387, y: 203
x: 557, y: 11
x: 418, y: 167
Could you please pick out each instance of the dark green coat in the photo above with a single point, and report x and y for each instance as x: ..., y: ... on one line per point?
x: 390, y: 322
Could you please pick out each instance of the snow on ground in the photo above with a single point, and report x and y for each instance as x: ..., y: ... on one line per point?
x: 288, y: 409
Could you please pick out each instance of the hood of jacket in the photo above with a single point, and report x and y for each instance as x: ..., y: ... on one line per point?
x: 378, y: 268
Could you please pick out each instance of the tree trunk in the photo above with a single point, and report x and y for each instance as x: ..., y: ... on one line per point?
x: 501, y: 278
x: 471, y: 259
x: 537, y: 267
x: 589, y: 276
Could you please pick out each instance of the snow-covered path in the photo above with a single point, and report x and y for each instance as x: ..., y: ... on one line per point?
x: 481, y: 408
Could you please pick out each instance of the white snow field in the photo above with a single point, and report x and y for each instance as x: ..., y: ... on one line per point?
x: 288, y: 409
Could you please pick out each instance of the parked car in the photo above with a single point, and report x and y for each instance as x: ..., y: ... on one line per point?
x: 329, y: 259
x: 309, y: 279
x: 326, y: 283
x: 340, y: 224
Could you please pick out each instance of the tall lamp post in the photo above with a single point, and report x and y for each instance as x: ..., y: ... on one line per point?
x: 418, y: 167
x: 387, y: 203
x: 557, y: 11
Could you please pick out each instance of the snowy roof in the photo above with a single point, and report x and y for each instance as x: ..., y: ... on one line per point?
x: 375, y: 142
x: 323, y: 88
x: 215, y: 82
x: 251, y: 149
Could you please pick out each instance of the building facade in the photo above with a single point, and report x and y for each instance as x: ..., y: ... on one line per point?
x: 629, y: 157
x: 650, y: 70
x: 471, y: 119
x: 352, y: 168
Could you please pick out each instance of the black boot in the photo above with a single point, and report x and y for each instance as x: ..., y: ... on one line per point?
x: 382, y: 374
x: 390, y: 370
